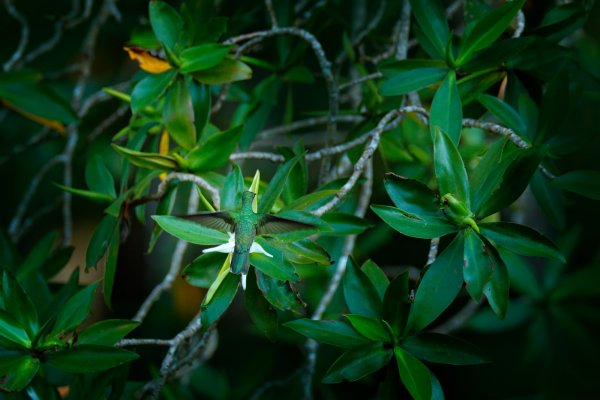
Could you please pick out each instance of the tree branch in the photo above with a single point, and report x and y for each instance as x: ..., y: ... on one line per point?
x: 24, y: 39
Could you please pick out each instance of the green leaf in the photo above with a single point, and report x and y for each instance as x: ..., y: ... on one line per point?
x: 443, y: 349
x: 19, y: 304
x: 496, y: 290
x: 306, y: 251
x: 150, y: 89
x: 190, y: 231
x: 498, y: 54
x: 345, y: 224
x: 166, y: 23
x: 220, y: 300
x: 439, y: 286
x: 553, y: 111
x: 260, y: 310
x: 203, y: 271
x: 231, y: 193
x: 396, y: 304
x: 407, y: 76
x: 16, y: 370
x: 478, y: 266
x: 504, y: 112
x: 99, y: 178
x: 522, y: 277
x: 75, y: 311
x: 93, y: 196
x: 201, y: 57
x: 584, y: 183
x: 202, y: 103
x: 110, y: 267
x: 31, y: 97
x: 446, y: 110
x: 520, y: 239
x: 100, y: 240
x: 370, y: 328
x: 227, y: 71
x: 377, y: 277
x: 107, y: 332
x: 298, y: 178
x: 157, y: 161
x: 414, y: 374
x: 512, y: 183
x: 279, y: 180
x: 277, y: 266
x: 431, y: 17
x: 11, y: 330
x: 358, y: 363
x: 361, y: 297
x: 487, y: 29
x: 311, y: 201
x: 450, y: 168
x: 178, y: 115
x: 215, y: 152
x: 281, y: 294
x: 419, y: 226
x: 88, y: 358
x: 412, y: 196
x: 335, y: 333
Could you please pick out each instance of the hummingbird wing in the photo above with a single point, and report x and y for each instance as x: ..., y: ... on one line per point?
x: 272, y: 225
x: 221, y: 221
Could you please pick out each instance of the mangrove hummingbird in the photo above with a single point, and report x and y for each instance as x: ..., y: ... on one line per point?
x: 245, y: 224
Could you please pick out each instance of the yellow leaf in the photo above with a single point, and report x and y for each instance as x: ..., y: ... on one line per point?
x: 147, y: 61
x: 52, y: 124
x: 163, y: 148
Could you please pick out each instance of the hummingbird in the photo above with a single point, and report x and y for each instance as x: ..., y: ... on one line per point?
x: 245, y: 225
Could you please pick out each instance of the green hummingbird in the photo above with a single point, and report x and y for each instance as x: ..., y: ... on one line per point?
x: 245, y: 225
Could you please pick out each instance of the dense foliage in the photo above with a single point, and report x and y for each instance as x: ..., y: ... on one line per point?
x: 424, y: 177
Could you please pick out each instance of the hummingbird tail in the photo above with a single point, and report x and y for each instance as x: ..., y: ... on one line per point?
x: 240, y: 262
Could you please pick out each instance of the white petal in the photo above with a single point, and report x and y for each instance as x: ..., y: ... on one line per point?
x: 222, y: 248
x: 243, y: 281
x: 257, y: 248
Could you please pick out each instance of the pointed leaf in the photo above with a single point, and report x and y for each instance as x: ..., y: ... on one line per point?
x: 396, y: 304
x: 231, y: 193
x: 203, y: 271
x: 439, y: 286
x: 75, y: 311
x: 215, y: 152
x: 496, y: 290
x: 414, y: 374
x: 358, y: 363
x: 261, y: 312
x: 335, y: 333
x: 220, y: 301
x: 487, y: 29
x: 450, y: 168
x: 419, y: 226
x: 431, y: 17
x: 520, y: 239
x: 178, y: 115
x: 150, y: 89
x: 345, y: 224
x: 16, y: 370
x: 107, y: 332
x: 166, y: 23
x: 443, y: 349
x: 10, y: 329
x: 478, y: 266
x: 87, y: 358
x: 281, y: 294
x: 504, y: 112
x: 370, y: 328
x: 228, y: 70
x: 277, y: 266
x: 276, y: 185
x: 158, y: 161
x: 377, y: 277
x: 190, y: 231
x: 100, y: 240
x: 201, y: 57
x: 361, y: 297
x: 446, y: 110
x: 407, y: 76
x: 412, y: 196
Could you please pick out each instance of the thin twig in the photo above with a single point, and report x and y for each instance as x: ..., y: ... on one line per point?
x: 307, y: 123
x: 24, y: 39
x: 370, y: 77
x: 39, y: 213
x: 271, y: 11
x: 144, y: 342
x: 112, y: 118
x: 402, y: 45
x: 495, y: 128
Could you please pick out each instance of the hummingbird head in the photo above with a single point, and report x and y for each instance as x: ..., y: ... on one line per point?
x: 247, y: 198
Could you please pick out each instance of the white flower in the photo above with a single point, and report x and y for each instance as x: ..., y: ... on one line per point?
x: 228, y: 248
